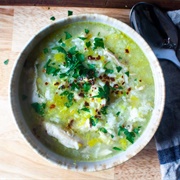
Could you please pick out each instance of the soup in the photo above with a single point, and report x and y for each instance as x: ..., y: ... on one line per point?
x: 90, y: 91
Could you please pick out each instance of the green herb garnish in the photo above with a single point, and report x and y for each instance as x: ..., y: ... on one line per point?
x: 45, y: 50
x: 50, y: 69
x: 118, y: 68
x: 129, y: 135
x: 39, y: 108
x: 98, y: 42
x: 117, y: 149
x: 127, y: 73
x: 85, y: 109
x: 112, y: 136
x: 70, y: 13
x: 86, y: 86
x: 68, y: 35
x: 52, y: 18
x: 74, y: 86
x: 60, y: 49
x: 102, y: 129
x: 6, y: 61
x: 104, y: 92
x: 88, y: 44
x: 72, y: 50
x: 70, y: 97
x: 136, y: 130
x: 82, y: 38
x: 104, y: 110
x: 93, y: 121
x: 118, y: 113
x: 109, y: 71
x: 86, y: 31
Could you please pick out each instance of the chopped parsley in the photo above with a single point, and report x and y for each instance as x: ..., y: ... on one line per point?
x: 50, y: 69
x: 118, y: 113
x: 112, y: 136
x: 45, y: 50
x: 117, y: 149
x: 136, y: 130
x: 130, y: 136
x: 86, y: 31
x: 82, y: 38
x: 70, y: 13
x: 104, y: 92
x: 102, y: 129
x: 68, y: 35
x: 85, y: 109
x: 127, y: 73
x: 86, y: 86
x: 70, y: 97
x: 104, y: 110
x: 88, y: 44
x: 74, y: 86
x: 93, y: 121
x: 39, y: 108
x: 92, y: 66
x: 118, y: 68
x: 109, y: 71
x: 98, y: 42
x: 53, y: 18
x: 60, y: 49
x: 6, y: 61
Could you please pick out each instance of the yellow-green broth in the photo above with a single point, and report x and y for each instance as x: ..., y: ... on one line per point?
x: 91, y: 91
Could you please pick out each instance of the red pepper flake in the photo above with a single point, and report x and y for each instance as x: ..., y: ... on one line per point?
x: 56, y: 84
x: 116, y: 86
x: 91, y: 57
x: 112, y: 79
x: 117, y: 92
x: 70, y: 124
x: 52, y: 106
x: 44, y: 70
x: 127, y: 50
x: 123, y: 83
x: 62, y: 87
x: 97, y: 116
x: 129, y: 89
x: 46, y: 83
x: 140, y: 80
x: 81, y: 94
x: 98, y: 58
x: 94, y: 58
x: 86, y: 103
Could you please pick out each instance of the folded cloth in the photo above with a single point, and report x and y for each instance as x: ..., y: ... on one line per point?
x: 168, y: 134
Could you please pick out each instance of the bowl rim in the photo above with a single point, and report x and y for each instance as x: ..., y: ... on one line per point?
x: 140, y: 143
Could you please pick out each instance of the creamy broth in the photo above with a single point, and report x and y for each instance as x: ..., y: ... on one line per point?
x: 91, y: 91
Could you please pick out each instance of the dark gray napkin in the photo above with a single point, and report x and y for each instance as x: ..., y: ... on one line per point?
x: 168, y: 134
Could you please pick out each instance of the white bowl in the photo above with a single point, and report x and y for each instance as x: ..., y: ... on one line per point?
x: 67, y: 163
